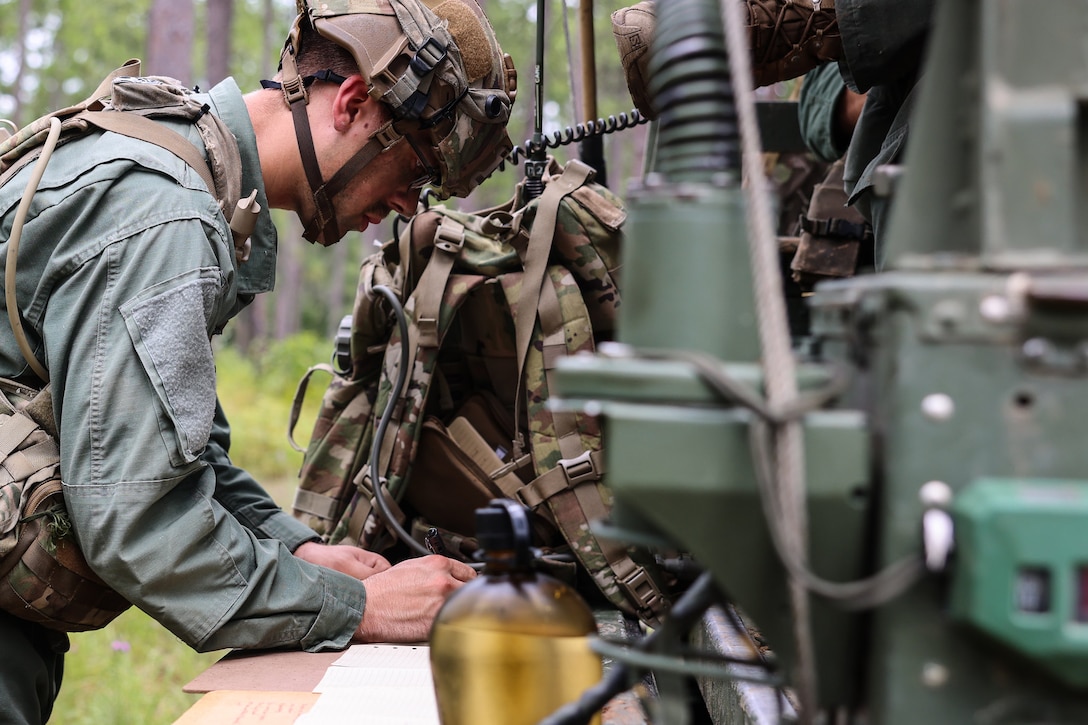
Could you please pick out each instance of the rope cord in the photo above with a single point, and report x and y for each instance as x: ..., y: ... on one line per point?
x: 866, y: 593
x: 779, y: 370
x: 861, y: 594
x: 13, y: 249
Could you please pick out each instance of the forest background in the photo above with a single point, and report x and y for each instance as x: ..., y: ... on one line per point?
x: 54, y: 52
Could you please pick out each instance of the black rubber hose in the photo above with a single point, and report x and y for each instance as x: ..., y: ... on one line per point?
x: 692, y: 90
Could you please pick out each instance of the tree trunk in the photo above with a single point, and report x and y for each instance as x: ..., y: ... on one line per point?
x: 289, y: 282
x: 220, y: 15
x: 268, y: 42
x: 20, y: 61
x: 170, y: 39
x: 335, y: 303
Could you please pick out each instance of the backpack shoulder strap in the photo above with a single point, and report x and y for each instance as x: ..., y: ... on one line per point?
x: 570, y: 462
x: 140, y: 127
x: 574, y: 175
x: 126, y: 112
x: 449, y: 237
x: 19, y: 149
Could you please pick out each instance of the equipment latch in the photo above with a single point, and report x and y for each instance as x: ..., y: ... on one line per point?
x: 579, y: 470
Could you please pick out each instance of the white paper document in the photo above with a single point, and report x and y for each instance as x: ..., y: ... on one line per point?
x: 380, y: 684
x: 385, y: 656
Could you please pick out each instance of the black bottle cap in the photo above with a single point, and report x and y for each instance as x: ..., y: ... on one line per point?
x: 493, y: 529
x: 504, y: 526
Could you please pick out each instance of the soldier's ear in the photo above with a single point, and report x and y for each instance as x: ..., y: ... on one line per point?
x: 352, y: 103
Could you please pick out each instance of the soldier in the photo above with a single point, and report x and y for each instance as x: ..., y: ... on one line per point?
x: 879, y: 47
x: 128, y: 268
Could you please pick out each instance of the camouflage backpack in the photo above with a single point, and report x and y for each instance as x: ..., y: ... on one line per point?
x: 43, y: 575
x: 449, y: 407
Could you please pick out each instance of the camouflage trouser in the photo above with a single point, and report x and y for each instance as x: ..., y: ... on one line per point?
x: 31, y: 666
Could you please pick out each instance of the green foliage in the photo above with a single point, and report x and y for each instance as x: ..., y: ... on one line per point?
x: 129, y: 673
x: 257, y: 390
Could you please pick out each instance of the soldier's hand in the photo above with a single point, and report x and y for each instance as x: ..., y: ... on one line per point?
x: 350, y: 560
x: 401, y: 603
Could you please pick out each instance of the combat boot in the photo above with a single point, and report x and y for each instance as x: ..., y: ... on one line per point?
x: 788, y: 38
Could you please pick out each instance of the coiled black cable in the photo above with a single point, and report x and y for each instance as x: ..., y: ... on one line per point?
x: 570, y: 134
x: 575, y: 134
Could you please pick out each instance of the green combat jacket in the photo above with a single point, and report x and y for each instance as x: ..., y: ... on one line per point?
x: 125, y: 271
x: 820, y: 92
x: 883, y: 47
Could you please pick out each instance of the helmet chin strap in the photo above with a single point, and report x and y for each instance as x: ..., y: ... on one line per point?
x: 323, y: 225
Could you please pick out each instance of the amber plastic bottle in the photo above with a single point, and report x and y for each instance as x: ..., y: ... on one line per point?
x: 511, y: 646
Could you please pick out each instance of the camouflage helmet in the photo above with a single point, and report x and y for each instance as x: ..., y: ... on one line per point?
x: 439, y: 68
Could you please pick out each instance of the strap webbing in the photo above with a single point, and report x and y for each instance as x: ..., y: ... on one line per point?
x: 316, y: 504
x: 324, y: 213
x: 572, y: 492
x: 555, y: 481
x: 300, y: 398
x: 537, y: 253
x: 13, y: 431
x: 449, y: 238
x: 144, y: 129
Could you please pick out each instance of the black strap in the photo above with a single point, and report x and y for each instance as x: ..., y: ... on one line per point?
x: 837, y: 228
x: 328, y: 75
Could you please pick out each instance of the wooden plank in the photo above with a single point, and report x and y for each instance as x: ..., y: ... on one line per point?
x: 268, y: 674
x: 246, y: 707
x: 282, y: 671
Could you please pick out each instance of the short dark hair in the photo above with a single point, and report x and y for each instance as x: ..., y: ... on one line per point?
x: 317, y: 53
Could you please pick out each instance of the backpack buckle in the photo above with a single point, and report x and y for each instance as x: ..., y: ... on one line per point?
x: 427, y: 58
x: 450, y: 236
x: 579, y: 470
x: 641, y: 588
x: 294, y: 89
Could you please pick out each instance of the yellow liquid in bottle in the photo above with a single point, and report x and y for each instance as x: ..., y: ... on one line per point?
x: 506, y: 678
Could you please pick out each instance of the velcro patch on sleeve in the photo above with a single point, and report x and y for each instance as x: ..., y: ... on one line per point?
x: 169, y: 326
